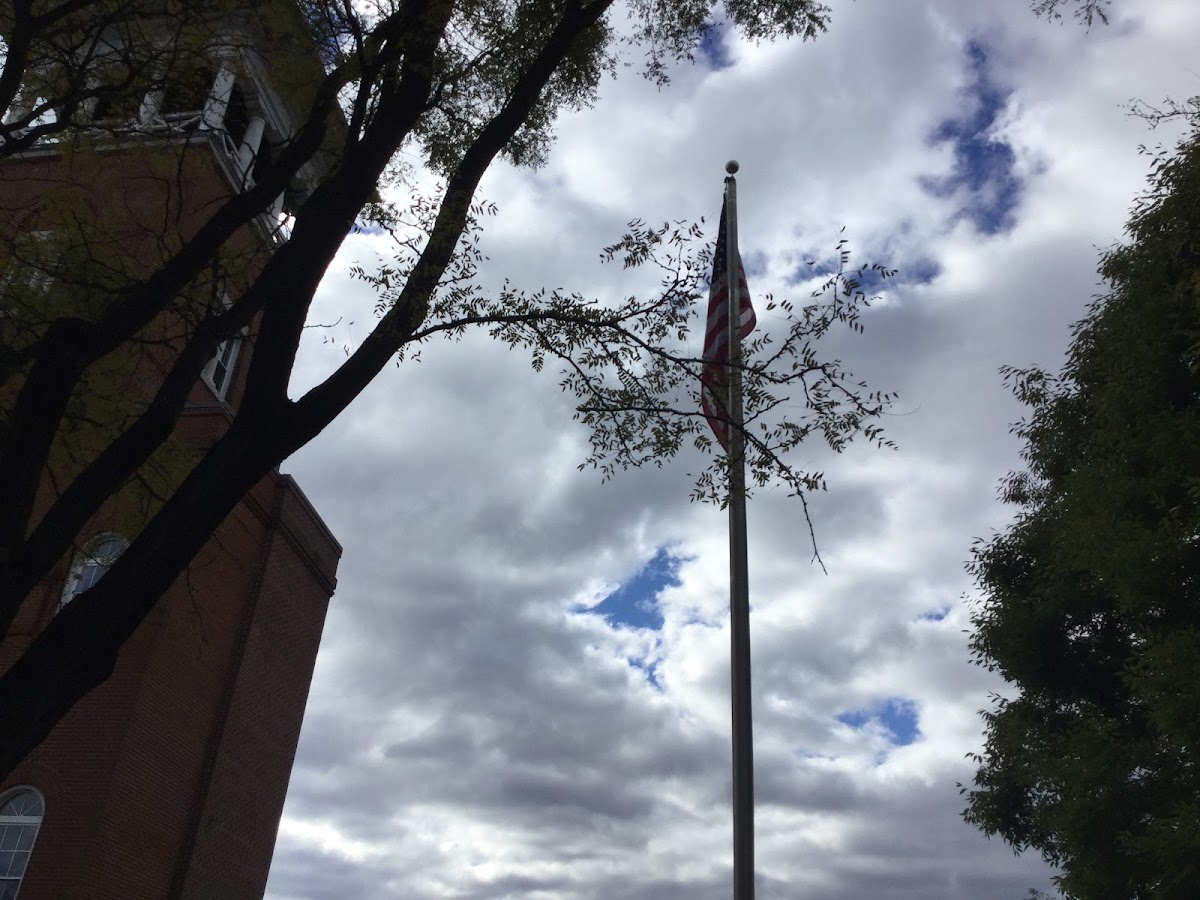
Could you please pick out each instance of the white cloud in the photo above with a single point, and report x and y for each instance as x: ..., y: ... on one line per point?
x: 471, y: 734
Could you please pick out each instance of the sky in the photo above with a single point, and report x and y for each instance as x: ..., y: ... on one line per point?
x: 523, y: 686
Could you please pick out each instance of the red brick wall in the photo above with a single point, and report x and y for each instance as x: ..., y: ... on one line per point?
x: 237, y: 825
x: 145, y: 205
x: 168, y: 780
x: 73, y: 769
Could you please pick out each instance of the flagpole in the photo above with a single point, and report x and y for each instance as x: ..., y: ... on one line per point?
x: 739, y: 588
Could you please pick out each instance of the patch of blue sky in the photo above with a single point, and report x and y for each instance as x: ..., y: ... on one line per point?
x: 935, y: 615
x: 920, y: 270
x: 714, y: 47
x: 896, y: 715
x: 634, y: 604
x: 811, y: 267
x: 755, y: 264
x: 651, y: 671
x: 983, y: 169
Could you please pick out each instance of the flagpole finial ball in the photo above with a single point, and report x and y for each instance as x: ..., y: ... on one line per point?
x: 732, y: 167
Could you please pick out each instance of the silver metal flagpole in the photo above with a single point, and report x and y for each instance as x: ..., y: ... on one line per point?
x: 739, y: 588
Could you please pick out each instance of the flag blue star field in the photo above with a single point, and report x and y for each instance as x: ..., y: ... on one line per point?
x: 713, y: 393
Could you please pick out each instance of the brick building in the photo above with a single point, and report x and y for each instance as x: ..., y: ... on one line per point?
x: 169, y: 779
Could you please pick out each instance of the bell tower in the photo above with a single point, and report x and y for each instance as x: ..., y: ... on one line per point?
x: 133, y: 127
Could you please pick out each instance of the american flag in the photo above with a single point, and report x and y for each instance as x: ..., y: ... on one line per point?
x: 713, y: 391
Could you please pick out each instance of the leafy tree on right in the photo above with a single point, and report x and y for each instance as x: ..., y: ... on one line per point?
x: 1091, y: 599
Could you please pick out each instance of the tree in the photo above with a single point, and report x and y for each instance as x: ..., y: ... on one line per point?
x: 457, y: 83
x: 1091, y: 599
x: 1086, y: 11
x: 1168, y: 110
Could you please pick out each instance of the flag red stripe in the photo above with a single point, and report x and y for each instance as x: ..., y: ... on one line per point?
x: 716, y: 337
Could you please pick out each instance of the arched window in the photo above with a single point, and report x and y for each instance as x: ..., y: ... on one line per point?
x: 89, y: 567
x: 21, y: 812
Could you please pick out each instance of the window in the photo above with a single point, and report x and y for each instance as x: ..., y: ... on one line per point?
x: 21, y: 814
x: 119, y: 92
x: 117, y: 107
x: 188, y: 90
x: 28, y: 267
x: 219, y: 371
x: 32, y: 263
x: 237, y: 117
x: 90, y: 566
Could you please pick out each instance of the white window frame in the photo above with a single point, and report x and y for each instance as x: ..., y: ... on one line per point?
x: 218, y: 372
x: 37, y: 280
x: 14, y: 830
x: 91, y: 564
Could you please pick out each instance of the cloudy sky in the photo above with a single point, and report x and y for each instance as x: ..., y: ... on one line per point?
x: 523, y: 685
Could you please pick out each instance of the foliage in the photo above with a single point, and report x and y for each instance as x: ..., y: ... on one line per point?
x: 1169, y: 109
x: 1091, y: 601
x: 635, y: 366
x: 453, y: 84
x: 1089, y: 12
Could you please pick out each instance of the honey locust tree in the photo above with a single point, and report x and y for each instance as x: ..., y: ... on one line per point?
x: 455, y: 83
x: 1091, y: 599
x: 1089, y: 12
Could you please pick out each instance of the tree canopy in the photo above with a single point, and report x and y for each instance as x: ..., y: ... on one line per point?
x: 1091, y: 599
x: 89, y: 300
x: 1089, y: 12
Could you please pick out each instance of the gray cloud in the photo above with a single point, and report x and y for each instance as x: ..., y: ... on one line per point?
x: 470, y: 734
